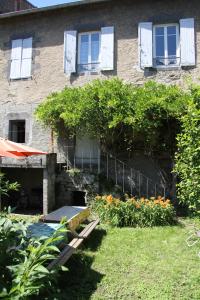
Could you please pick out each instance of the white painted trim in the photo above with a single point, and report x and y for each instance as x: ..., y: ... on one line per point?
x: 89, y: 33
x: 21, y: 59
x: 165, y: 45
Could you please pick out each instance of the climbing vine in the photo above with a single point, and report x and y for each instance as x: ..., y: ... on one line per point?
x: 118, y: 113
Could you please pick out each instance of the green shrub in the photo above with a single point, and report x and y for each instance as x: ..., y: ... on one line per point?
x: 188, y: 157
x: 134, y: 212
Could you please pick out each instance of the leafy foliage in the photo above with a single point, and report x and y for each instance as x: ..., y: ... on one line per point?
x: 6, y: 186
x: 188, y: 155
x: 23, y: 261
x: 114, y: 111
x: 134, y: 212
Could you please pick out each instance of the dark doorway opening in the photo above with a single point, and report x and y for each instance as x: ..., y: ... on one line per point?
x: 29, y: 198
x: 78, y: 198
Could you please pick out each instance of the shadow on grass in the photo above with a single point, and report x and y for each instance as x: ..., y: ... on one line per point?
x: 80, y: 281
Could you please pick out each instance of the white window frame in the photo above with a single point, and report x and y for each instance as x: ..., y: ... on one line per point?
x: 165, y: 45
x: 89, y: 33
x: 21, y: 60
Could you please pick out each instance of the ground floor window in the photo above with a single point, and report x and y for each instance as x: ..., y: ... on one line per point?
x: 17, y: 131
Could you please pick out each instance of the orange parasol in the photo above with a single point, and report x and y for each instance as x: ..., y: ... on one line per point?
x: 15, y: 150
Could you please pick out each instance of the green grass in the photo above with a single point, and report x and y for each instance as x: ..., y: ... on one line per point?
x: 150, y: 263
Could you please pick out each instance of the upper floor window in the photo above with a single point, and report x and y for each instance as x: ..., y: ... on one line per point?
x: 89, y: 52
x: 95, y: 51
x: 21, y: 58
x: 166, y: 45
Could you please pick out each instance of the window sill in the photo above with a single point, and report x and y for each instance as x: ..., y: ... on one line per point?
x: 21, y: 79
x: 98, y: 72
x: 167, y: 68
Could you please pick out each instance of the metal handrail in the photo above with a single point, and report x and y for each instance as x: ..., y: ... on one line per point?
x: 127, y: 178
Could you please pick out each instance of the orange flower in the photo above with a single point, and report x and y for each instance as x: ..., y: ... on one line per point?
x: 138, y: 205
x: 109, y: 198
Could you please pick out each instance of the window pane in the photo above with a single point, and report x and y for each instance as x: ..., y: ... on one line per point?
x: 160, y: 50
x: 95, y: 47
x: 171, y: 30
x: 171, y: 41
x: 84, y: 49
x: 159, y: 30
x: 160, y: 46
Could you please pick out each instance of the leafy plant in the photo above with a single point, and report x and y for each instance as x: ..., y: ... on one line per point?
x: 23, y: 261
x: 188, y: 156
x: 134, y: 212
x: 6, y: 186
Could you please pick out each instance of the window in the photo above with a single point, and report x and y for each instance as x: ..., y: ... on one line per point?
x: 17, y: 131
x: 89, y: 50
x: 166, y: 45
x: 21, y: 58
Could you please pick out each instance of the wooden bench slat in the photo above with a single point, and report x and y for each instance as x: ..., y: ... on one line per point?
x: 67, y: 252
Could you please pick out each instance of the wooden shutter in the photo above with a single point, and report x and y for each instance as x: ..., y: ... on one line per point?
x: 26, y: 58
x: 70, y: 44
x: 145, y: 39
x: 16, y: 55
x: 107, y: 48
x: 187, y: 42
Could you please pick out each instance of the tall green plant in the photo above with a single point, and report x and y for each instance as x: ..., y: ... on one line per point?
x: 188, y: 156
x: 23, y: 261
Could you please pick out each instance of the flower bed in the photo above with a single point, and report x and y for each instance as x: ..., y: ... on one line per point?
x: 134, y: 212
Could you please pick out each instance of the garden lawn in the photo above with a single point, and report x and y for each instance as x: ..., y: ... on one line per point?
x: 128, y: 263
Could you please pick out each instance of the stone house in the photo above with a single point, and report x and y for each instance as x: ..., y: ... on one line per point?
x: 42, y: 50
x: 14, y: 5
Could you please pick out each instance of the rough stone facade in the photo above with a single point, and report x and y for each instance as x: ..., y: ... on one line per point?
x: 14, y: 5
x: 47, y: 29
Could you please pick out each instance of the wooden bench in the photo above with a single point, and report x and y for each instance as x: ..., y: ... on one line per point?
x: 67, y: 252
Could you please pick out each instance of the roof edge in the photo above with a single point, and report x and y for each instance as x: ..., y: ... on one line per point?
x: 49, y: 8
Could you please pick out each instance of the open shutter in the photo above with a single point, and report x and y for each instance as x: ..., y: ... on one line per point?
x: 16, y: 55
x: 187, y: 42
x: 70, y: 44
x: 26, y: 58
x: 107, y: 48
x: 145, y: 38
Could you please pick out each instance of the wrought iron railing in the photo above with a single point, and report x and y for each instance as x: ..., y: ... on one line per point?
x: 129, y: 179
